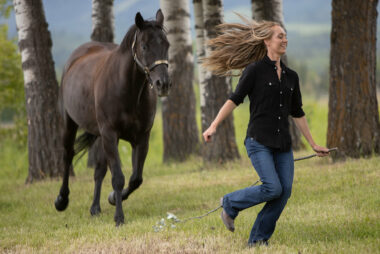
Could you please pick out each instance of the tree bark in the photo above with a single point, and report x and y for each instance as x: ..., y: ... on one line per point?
x: 41, y: 91
x: 102, y: 21
x: 180, y: 131
x: 214, y: 93
x: 200, y: 44
x: 272, y: 10
x: 353, y: 119
x: 103, y: 31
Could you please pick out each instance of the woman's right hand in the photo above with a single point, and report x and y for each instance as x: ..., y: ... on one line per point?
x: 227, y: 108
x: 208, y: 133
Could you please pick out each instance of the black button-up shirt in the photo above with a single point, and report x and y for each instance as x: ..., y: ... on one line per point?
x: 271, y: 101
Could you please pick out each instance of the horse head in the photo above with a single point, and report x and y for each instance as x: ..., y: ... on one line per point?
x: 150, y: 51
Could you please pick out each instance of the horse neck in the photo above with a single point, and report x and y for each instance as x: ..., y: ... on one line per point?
x: 133, y: 80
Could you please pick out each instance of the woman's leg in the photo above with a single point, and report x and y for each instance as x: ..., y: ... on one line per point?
x: 263, y: 162
x: 266, y: 220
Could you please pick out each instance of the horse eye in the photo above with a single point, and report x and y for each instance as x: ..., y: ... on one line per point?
x: 143, y: 47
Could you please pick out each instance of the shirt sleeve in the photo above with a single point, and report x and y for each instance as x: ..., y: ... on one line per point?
x: 296, y: 107
x: 244, y: 86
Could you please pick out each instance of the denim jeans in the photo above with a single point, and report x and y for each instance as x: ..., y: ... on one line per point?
x: 276, y: 170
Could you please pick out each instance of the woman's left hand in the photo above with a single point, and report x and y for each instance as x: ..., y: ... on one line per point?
x: 321, y: 151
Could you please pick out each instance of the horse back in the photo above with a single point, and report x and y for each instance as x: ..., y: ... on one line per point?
x: 87, y: 49
x: 76, y: 96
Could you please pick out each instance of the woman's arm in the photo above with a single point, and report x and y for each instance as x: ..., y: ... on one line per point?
x: 304, y: 128
x: 226, y: 109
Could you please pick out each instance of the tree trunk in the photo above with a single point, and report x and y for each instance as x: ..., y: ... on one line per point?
x: 271, y: 10
x: 200, y: 44
x: 353, y: 120
x: 200, y: 47
x: 102, y: 21
x: 180, y: 131
x: 41, y: 91
x: 214, y: 93
x: 103, y: 31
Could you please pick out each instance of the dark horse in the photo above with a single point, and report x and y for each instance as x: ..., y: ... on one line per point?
x: 110, y: 92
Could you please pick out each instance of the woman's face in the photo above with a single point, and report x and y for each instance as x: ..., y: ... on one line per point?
x: 278, y: 42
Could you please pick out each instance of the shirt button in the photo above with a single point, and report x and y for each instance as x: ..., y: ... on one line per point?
x: 270, y: 83
x: 279, y: 118
x: 280, y: 92
x: 280, y: 105
x: 283, y: 72
x: 275, y: 68
x: 278, y: 130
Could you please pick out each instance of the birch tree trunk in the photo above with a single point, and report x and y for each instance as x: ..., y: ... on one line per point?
x: 271, y: 10
x: 200, y: 45
x: 180, y: 131
x: 353, y: 120
x: 103, y: 31
x: 215, y: 92
x: 41, y: 91
x: 102, y: 21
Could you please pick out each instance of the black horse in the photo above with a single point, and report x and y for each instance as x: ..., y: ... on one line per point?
x: 110, y: 92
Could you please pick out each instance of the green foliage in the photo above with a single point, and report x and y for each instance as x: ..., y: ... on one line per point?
x: 5, y: 8
x: 12, y: 106
x: 11, y: 77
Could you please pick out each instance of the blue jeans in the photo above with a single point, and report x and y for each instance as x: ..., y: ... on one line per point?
x: 276, y: 170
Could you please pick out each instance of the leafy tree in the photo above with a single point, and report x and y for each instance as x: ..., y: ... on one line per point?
x: 11, y: 81
x: 5, y: 8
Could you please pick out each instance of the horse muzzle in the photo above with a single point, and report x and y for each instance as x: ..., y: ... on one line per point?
x: 163, y: 87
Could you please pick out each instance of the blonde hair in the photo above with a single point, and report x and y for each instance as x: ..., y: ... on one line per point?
x: 237, y: 45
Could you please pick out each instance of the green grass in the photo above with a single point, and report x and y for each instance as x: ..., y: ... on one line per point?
x: 334, y: 207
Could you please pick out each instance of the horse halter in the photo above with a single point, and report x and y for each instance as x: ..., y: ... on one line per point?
x: 146, y: 69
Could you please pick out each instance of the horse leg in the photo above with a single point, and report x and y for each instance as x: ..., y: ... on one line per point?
x: 69, y: 132
x: 100, y: 171
x: 110, y: 142
x: 139, y: 153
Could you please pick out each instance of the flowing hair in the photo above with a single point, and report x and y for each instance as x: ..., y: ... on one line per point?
x: 237, y: 45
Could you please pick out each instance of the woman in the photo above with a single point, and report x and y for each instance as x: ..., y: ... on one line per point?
x: 274, y: 93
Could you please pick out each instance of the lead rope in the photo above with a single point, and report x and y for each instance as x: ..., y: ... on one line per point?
x: 176, y: 220
x: 213, y: 210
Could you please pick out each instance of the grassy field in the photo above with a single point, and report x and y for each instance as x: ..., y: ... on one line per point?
x: 334, y: 207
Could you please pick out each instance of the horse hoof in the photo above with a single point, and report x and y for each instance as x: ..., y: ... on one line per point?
x: 95, y: 210
x: 119, y: 221
x: 61, y: 203
x: 111, y: 198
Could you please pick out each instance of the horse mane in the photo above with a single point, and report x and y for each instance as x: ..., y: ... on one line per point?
x: 127, y: 41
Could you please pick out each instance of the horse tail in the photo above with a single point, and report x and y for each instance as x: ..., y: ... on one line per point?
x: 94, y: 153
x: 83, y: 143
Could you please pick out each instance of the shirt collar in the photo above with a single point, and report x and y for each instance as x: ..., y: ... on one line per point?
x: 273, y: 63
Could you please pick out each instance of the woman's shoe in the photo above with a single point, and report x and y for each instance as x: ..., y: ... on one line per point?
x: 227, y: 220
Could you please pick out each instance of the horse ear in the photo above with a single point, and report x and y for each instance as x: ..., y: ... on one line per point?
x: 139, y: 21
x: 160, y: 17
